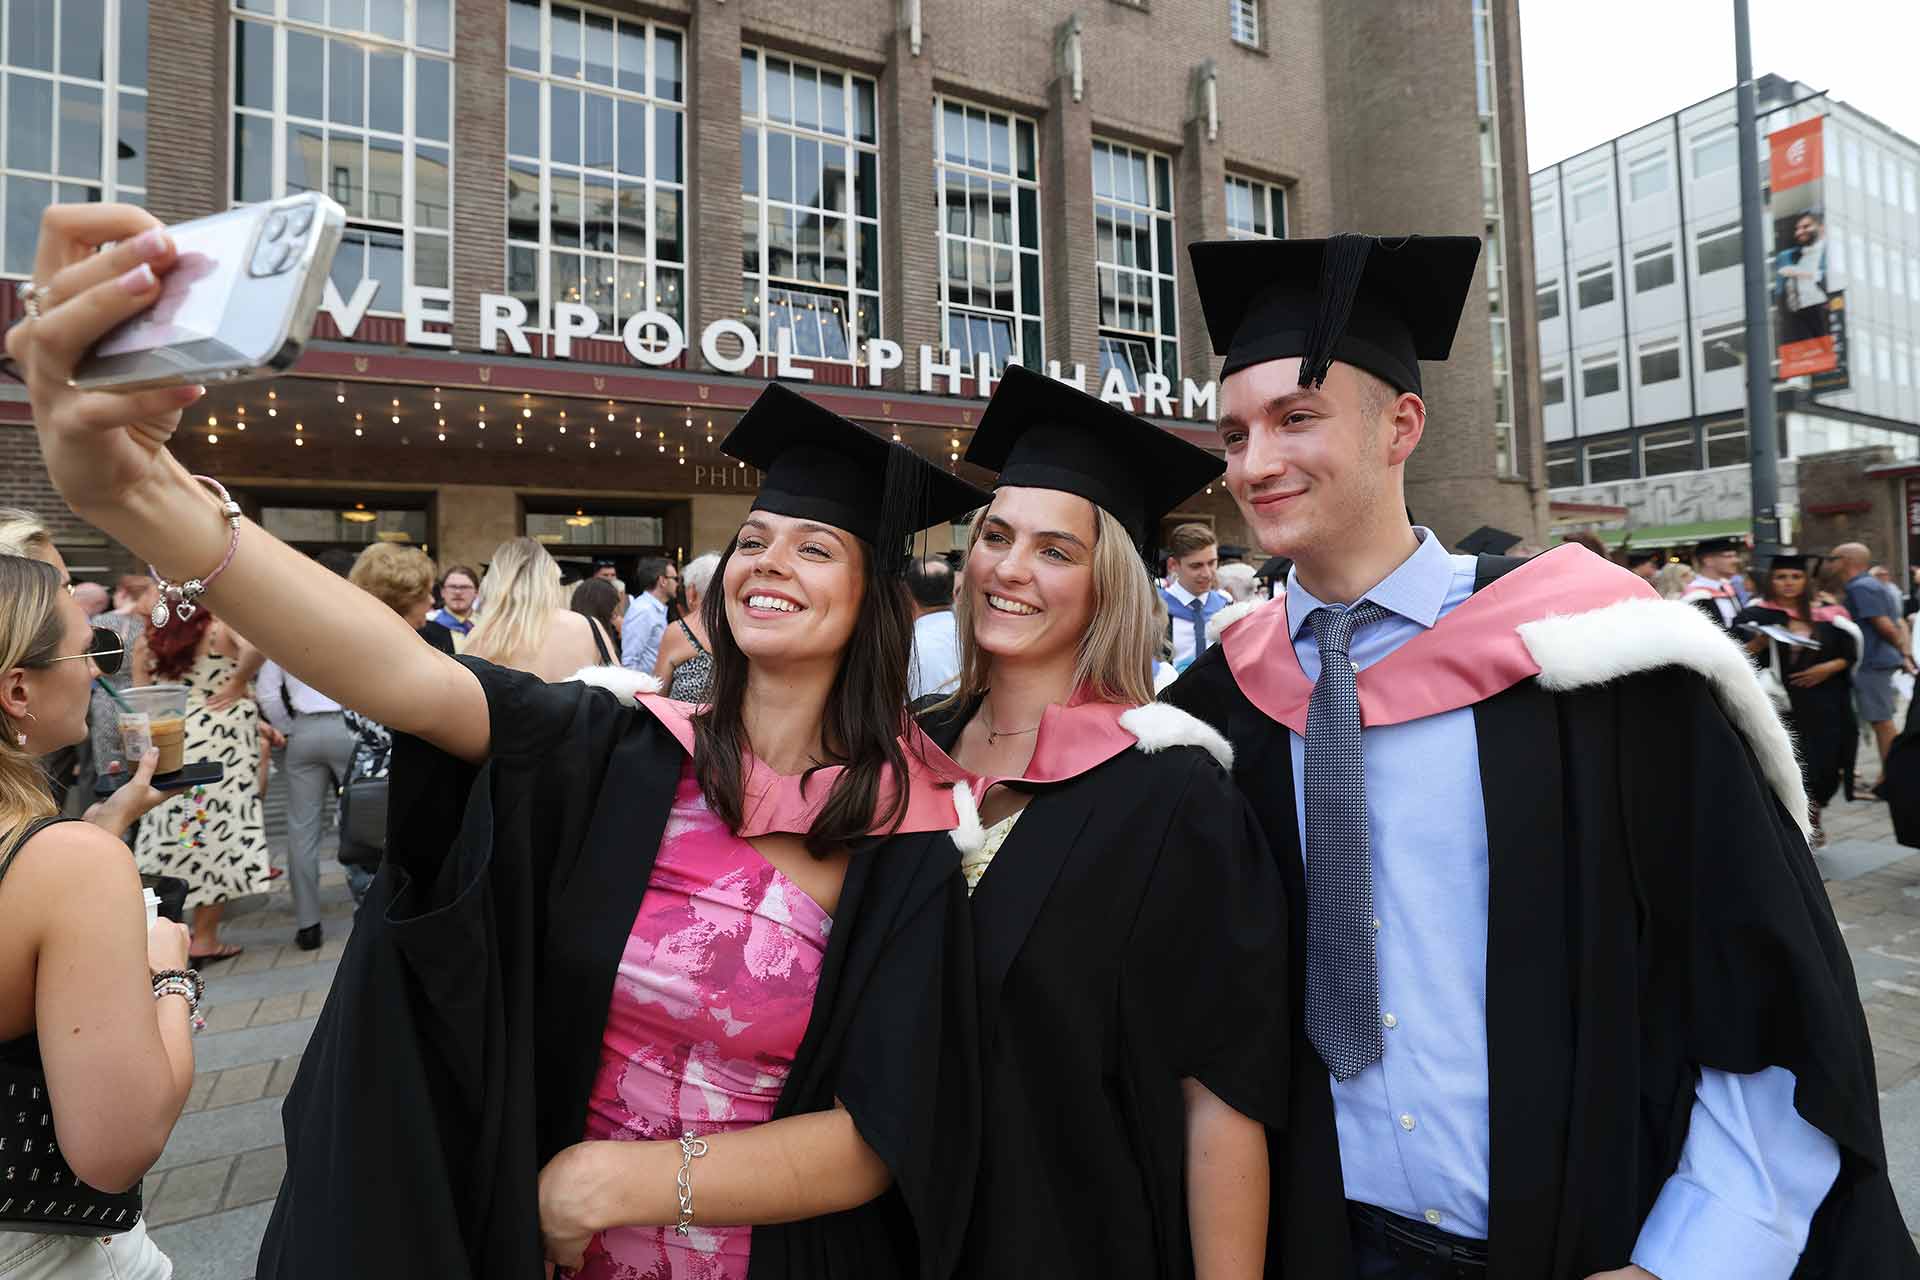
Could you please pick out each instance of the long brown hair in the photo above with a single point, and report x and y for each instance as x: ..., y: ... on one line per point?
x: 30, y: 632
x: 860, y: 727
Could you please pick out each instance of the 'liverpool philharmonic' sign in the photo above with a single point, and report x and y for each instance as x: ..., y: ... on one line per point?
x: 656, y: 339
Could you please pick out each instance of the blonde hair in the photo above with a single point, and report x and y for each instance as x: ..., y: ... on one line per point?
x: 1117, y: 651
x: 30, y: 631
x: 1672, y: 581
x: 398, y: 577
x: 22, y: 533
x: 516, y: 604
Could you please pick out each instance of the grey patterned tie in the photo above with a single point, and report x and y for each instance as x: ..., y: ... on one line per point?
x: 1343, y: 980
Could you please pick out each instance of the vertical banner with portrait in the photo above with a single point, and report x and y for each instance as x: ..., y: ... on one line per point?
x: 1809, y: 305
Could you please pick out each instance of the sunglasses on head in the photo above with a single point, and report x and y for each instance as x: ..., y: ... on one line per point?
x: 105, y: 648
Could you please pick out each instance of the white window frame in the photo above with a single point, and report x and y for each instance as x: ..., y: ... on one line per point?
x: 1121, y: 346
x: 1622, y: 448
x: 1710, y: 146
x: 1026, y: 328
x: 1908, y: 194
x: 273, y: 15
x: 660, y: 285
x: 1652, y: 163
x: 1544, y: 288
x: 1580, y: 278
x: 1882, y: 357
x: 1584, y: 193
x: 862, y: 305
x: 1714, y: 236
x: 1725, y: 431
x: 1657, y: 347
x: 1564, y: 453
x: 1870, y: 167
x: 1243, y: 22
x: 1897, y: 272
x: 1590, y: 365
x: 1730, y: 336
x: 115, y: 97
x: 1553, y: 373
x: 1268, y: 196
x: 1645, y: 256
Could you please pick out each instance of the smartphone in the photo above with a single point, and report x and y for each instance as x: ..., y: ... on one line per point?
x: 195, y: 773
x: 238, y: 304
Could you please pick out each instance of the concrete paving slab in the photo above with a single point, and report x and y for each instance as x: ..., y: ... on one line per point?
x: 221, y: 1246
x: 224, y: 1131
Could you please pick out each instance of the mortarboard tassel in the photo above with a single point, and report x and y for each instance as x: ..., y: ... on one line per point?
x: 903, y: 507
x: 1342, y: 264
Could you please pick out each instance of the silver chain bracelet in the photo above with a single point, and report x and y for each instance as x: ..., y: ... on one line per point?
x: 691, y: 1148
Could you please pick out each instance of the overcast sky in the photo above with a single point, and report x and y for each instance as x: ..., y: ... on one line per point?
x: 1595, y: 71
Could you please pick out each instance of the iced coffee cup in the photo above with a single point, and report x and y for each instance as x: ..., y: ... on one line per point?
x: 164, y: 708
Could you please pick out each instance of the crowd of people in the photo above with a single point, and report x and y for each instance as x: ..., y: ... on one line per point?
x: 820, y: 909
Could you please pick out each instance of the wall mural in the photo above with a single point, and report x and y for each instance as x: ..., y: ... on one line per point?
x: 1692, y: 497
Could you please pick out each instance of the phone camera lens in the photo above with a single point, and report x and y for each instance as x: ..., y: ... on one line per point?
x: 276, y: 225
x: 299, y: 219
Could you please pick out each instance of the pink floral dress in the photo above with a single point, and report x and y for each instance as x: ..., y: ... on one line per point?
x: 710, y: 1004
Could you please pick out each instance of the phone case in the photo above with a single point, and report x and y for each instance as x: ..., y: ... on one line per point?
x: 195, y: 773
x: 196, y: 356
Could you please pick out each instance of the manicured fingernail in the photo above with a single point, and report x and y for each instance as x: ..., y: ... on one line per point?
x: 188, y: 394
x: 151, y: 243
x: 139, y: 280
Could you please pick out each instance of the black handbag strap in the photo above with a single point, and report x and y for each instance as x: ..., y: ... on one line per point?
x: 27, y: 833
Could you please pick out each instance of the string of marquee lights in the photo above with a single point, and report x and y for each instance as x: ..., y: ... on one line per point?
x: 526, y: 420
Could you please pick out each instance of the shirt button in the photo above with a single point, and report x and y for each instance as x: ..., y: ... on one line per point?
x: 1433, y: 1216
x: 1388, y: 1021
x: 1376, y: 924
x: 1406, y: 1121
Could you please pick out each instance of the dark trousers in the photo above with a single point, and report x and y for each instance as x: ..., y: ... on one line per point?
x: 1376, y: 1258
x: 1808, y: 322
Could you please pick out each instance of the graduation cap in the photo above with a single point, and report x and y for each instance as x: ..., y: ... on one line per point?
x: 1487, y: 541
x: 1039, y: 433
x: 1275, y: 570
x: 1635, y: 558
x: 1714, y: 546
x: 816, y: 465
x: 1230, y: 551
x: 1787, y: 558
x: 1380, y: 304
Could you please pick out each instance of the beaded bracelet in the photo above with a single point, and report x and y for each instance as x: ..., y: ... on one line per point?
x: 185, y: 594
x: 189, y: 986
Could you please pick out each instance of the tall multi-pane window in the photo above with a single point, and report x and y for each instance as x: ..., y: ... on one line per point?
x: 1505, y: 440
x: 810, y: 205
x: 1255, y: 210
x: 1243, y: 21
x: 596, y: 164
x: 353, y: 98
x: 1133, y: 253
x: 986, y: 175
x: 75, y: 107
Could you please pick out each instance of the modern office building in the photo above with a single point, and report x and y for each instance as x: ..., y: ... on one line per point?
x: 581, y: 238
x: 1637, y: 258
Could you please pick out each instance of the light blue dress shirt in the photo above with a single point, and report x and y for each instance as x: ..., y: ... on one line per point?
x: 1414, y: 1136
x: 640, y: 632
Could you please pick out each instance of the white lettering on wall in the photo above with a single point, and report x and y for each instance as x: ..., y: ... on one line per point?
x: 882, y: 355
x: 953, y: 370
x: 426, y: 306
x: 710, y: 346
x: 346, y: 316
x: 1196, y: 399
x: 572, y: 320
x: 1113, y: 388
x: 783, y: 365
x: 672, y: 345
x: 1156, y: 394
x: 500, y: 314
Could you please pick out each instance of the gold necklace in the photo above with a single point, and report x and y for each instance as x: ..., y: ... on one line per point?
x: 994, y: 735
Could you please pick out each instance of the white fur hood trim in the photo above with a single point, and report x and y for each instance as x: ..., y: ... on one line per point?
x: 619, y: 681
x: 1578, y: 651
x: 1157, y: 726
x: 1219, y: 622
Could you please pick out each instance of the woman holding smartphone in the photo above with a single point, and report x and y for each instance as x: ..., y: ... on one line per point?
x: 553, y: 850
x: 1128, y: 918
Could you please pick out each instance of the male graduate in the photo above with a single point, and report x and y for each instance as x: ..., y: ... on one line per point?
x: 1715, y: 589
x: 1551, y: 1024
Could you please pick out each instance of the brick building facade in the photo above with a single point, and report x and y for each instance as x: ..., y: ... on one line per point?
x: 1010, y: 180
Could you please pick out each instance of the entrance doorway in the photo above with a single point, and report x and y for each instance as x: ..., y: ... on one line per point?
x: 583, y: 533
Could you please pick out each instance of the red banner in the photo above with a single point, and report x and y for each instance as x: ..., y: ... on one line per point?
x: 1797, y: 156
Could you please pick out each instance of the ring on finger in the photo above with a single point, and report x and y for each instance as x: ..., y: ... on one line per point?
x: 31, y: 296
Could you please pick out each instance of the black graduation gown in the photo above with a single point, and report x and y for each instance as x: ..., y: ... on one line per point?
x: 1631, y: 941
x: 1127, y: 935
x: 459, y: 1043
x: 1821, y: 717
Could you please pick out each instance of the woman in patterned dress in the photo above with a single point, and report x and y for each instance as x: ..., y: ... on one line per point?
x: 685, y: 666
x: 212, y: 836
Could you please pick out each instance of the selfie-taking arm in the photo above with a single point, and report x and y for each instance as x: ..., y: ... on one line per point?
x: 106, y: 454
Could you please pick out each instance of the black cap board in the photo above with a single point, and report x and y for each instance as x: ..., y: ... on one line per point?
x: 1786, y: 558
x: 1382, y: 304
x: 1039, y: 433
x: 1641, y: 557
x: 1487, y: 541
x: 1713, y: 546
x: 817, y: 465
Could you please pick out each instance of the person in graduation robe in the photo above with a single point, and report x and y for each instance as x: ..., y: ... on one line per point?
x: 463, y: 1054
x: 1813, y: 675
x: 1716, y: 589
x: 1551, y: 1023
x: 1128, y: 929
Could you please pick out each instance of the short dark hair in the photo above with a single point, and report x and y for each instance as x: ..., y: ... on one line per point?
x: 931, y: 583
x: 471, y: 574
x: 1189, y: 538
x: 649, y: 573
